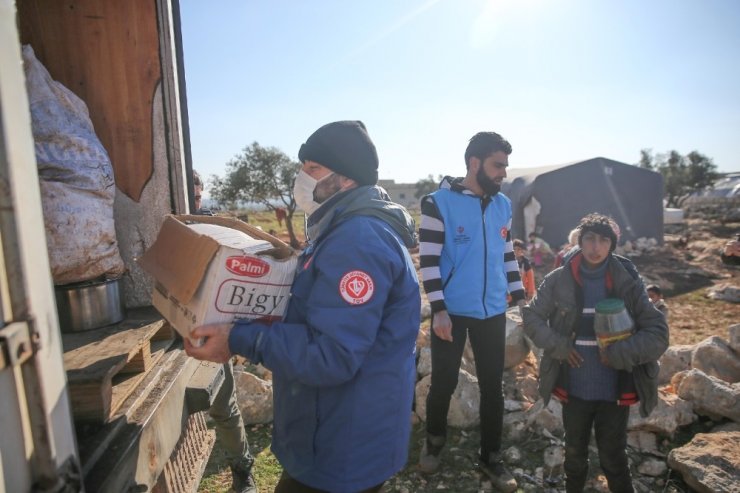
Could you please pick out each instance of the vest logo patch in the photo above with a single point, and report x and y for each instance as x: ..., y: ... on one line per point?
x: 460, y: 229
x: 504, y: 232
x: 356, y: 287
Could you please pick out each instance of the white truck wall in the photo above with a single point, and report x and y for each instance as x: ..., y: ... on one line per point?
x: 20, y: 186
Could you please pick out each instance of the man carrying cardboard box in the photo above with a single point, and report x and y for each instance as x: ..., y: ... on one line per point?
x: 343, y: 357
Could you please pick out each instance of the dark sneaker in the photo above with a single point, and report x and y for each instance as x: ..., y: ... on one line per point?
x: 242, y: 480
x: 496, y: 471
x: 429, y: 458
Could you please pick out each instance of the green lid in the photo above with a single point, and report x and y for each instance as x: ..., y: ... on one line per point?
x: 610, y: 305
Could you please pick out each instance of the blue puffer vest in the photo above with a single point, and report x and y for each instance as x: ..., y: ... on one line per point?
x: 472, y: 261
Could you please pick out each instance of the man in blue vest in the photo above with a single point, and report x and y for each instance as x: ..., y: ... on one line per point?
x: 468, y: 267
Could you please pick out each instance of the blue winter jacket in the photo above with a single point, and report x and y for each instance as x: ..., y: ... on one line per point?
x: 343, y: 358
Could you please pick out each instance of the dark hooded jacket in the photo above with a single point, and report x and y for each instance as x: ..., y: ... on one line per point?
x: 552, y: 317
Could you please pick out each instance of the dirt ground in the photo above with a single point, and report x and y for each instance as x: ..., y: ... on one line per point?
x: 686, y: 267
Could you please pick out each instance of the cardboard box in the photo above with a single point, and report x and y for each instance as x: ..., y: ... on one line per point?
x: 214, y: 269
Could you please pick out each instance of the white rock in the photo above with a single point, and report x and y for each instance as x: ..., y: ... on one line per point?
x: 548, y: 418
x: 675, y: 359
x: 554, y: 456
x: 517, y: 347
x: 424, y: 366
x: 652, y: 467
x: 724, y: 292
x: 426, y: 311
x: 254, y: 397
x: 468, y: 359
x: 464, y: 405
x: 643, y: 441
x: 710, y: 396
x: 715, y: 357
x: 514, y: 425
x: 512, y: 455
x: 511, y: 405
x: 734, y: 331
x: 709, y: 462
x: 670, y: 413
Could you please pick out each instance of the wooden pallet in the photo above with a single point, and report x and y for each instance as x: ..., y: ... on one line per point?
x: 183, y: 472
x: 104, y: 365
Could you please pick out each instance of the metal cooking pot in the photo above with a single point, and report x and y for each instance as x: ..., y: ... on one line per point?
x: 89, y: 305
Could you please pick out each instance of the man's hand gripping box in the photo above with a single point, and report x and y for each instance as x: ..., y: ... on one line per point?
x: 216, y: 270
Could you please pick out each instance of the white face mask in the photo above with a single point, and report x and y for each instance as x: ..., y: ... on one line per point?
x: 303, y: 191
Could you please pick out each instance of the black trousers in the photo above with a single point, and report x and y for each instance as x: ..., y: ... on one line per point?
x: 488, y: 341
x: 609, y: 422
x: 289, y: 485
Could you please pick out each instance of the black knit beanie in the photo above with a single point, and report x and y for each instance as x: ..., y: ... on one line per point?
x: 600, y: 225
x: 343, y: 147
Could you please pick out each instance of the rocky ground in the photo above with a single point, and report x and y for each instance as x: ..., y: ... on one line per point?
x: 688, y: 268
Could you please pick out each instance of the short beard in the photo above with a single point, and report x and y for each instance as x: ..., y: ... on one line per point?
x: 327, y: 189
x: 487, y: 184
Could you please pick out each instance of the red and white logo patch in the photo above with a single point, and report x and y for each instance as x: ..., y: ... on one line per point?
x: 504, y: 232
x: 356, y: 287
x: 243, y: 265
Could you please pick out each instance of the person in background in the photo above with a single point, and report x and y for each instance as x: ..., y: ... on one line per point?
x: 730, y: 254
x: 656, y: 297
x: 596, y: 385
x: 225, y: 410
x: 538, y: 249
x: 343, y: 358
x: 280, y: 214
x: 525, y: 269
x: 572, y: 242
x: 198, y: 187
x: 468, y: 267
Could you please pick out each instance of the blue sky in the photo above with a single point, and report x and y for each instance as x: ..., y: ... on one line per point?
x: 562, y: 80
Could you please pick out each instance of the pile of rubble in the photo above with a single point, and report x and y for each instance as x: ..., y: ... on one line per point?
x: 638, y: 247
x: 699, y: 385
x: 723, y: 209
x: 698, y: 382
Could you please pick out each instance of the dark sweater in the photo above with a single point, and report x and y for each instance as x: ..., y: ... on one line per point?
x: 592, y: 381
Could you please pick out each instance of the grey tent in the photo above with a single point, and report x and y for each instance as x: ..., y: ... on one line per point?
x: 561, y: 195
